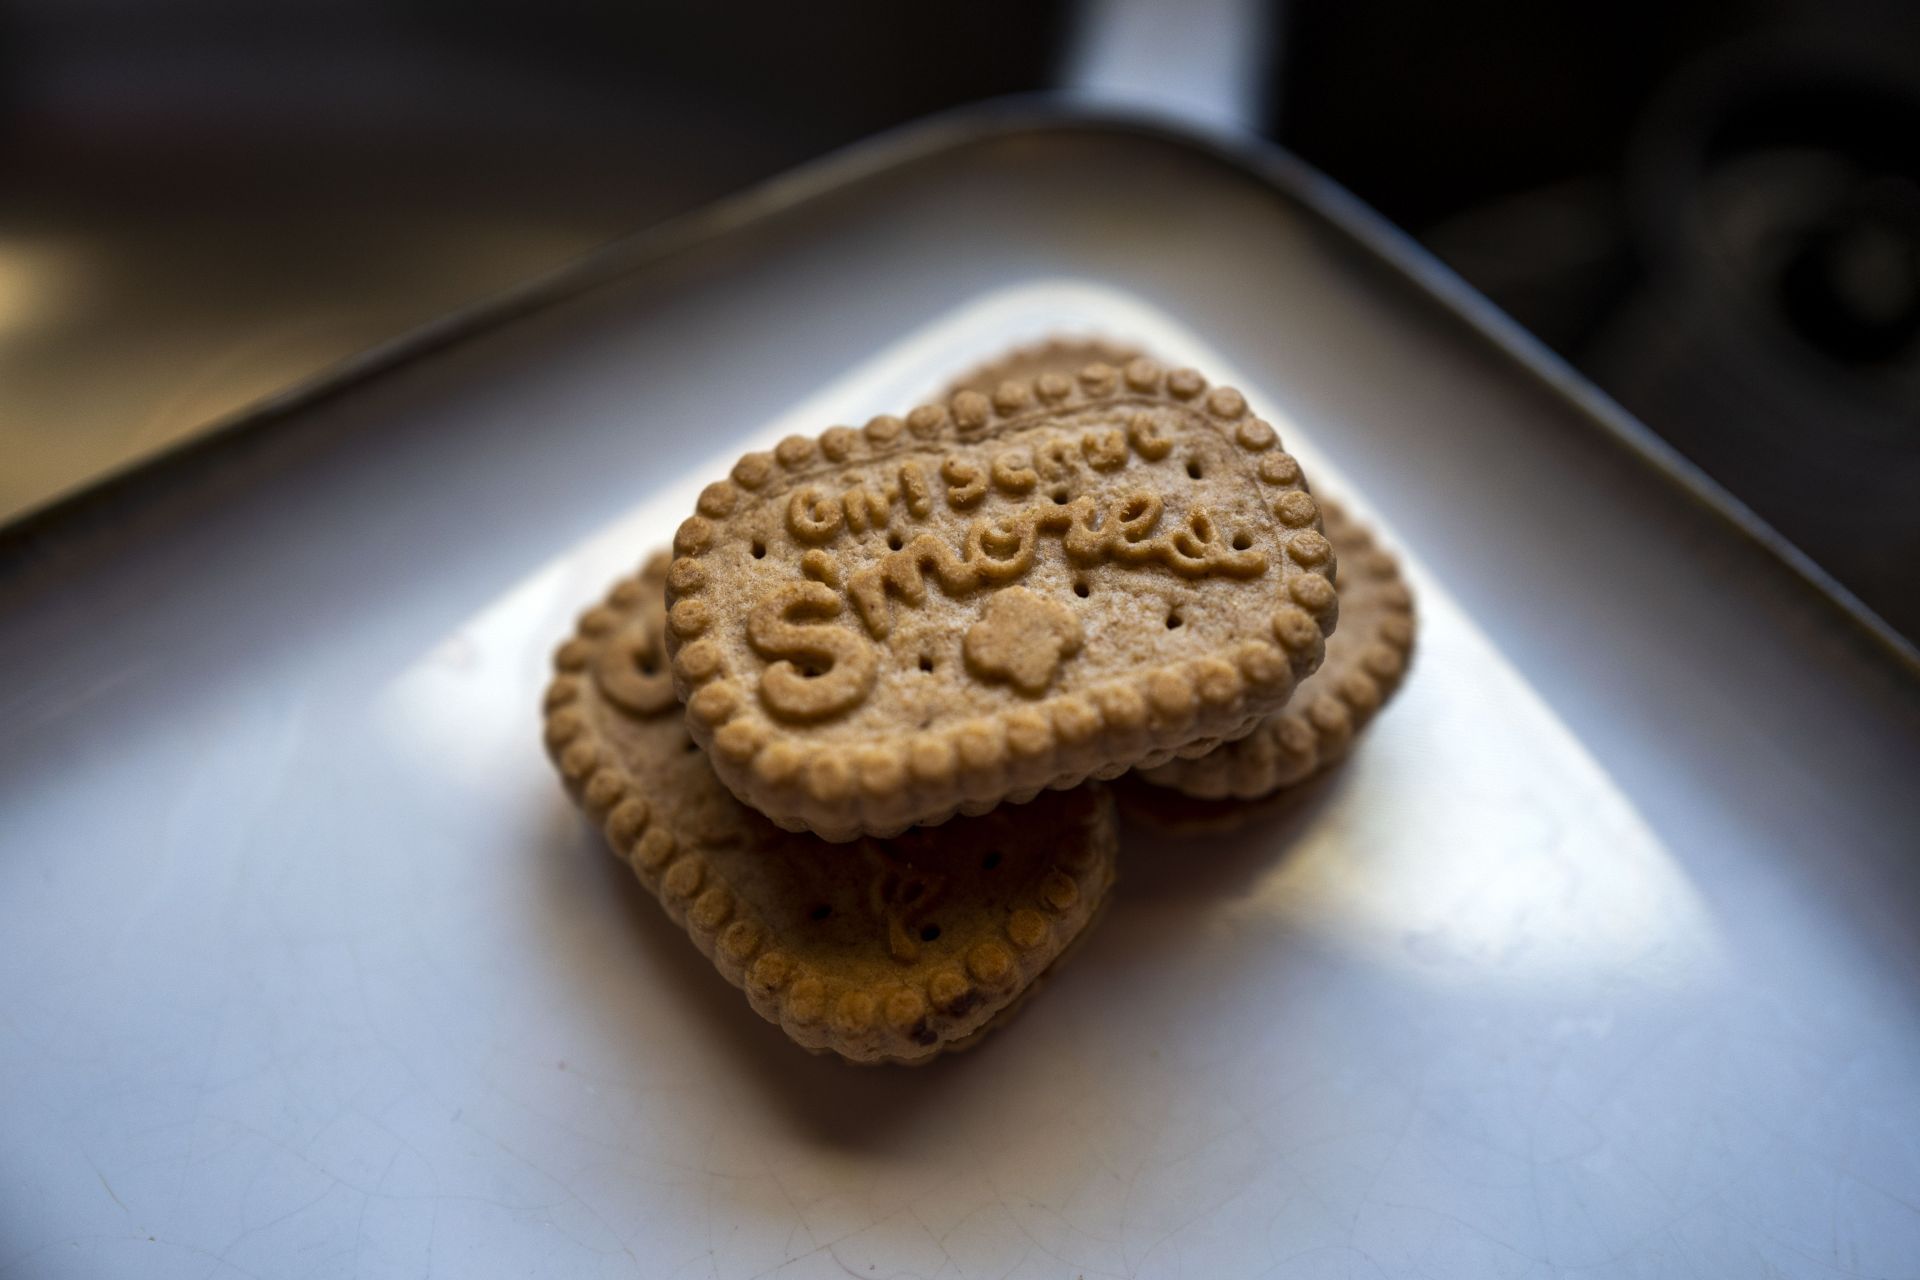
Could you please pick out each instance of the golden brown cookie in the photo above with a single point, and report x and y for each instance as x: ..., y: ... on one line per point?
x: 1366, y: 660
x: 884, y: 951
x: 993, y: 596
x: 1167, y: 812
x: 1059, y: 355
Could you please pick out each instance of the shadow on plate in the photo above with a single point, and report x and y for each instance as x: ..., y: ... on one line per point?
x: 852, y: 1107
x: 1173, y: 847
x: 833, y: 1101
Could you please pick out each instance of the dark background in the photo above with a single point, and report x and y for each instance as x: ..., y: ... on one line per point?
x: 1712, y: 209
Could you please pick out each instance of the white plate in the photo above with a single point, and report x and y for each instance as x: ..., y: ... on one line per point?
x: 308, y: 969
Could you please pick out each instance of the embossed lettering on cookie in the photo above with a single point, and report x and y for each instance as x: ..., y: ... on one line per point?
x: 890, y: 951
x: 1066, y: 579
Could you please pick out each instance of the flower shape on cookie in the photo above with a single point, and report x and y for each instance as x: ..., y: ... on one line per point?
x: 835, y: 623
x: 1022, y: 638
x: 882, y: 951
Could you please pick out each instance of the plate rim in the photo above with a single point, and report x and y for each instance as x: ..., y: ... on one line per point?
x: 50, y: 532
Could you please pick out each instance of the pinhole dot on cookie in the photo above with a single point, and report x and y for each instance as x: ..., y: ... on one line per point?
x: 759, y: 549
x: 1053, y: 465
x: 711, y: 885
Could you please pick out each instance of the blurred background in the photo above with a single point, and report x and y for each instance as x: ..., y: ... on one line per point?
x: 1712, y: 209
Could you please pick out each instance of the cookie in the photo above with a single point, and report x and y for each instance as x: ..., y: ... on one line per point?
x: 884, y: 951
x: 880, y: 628
x: 1166, y: 812
x: 1366, y: 660
x: 1060, y: 355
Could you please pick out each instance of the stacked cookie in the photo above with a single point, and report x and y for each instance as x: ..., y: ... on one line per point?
x: 852, y: 732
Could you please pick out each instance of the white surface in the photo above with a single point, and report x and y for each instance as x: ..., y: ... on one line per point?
x: 320, y: 975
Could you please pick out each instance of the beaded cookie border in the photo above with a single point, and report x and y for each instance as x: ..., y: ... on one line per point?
x: 902, y: 1022
x: 926, y: 776
x: 1298, y: 742
x: 1065, y: 354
